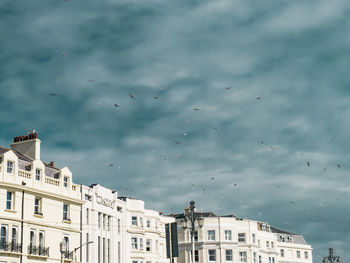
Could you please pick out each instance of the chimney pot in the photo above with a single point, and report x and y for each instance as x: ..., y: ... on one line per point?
x: 52, y: 163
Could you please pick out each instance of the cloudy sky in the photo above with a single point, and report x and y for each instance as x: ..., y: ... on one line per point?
x: 232, y: 99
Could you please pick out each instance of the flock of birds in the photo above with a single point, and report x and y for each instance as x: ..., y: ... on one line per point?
x: 178, y: 142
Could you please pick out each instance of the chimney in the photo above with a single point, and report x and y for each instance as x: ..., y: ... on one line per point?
x: 28, y: 145
x: 52, y: 163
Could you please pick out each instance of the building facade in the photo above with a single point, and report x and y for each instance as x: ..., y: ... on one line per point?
x: 102, y: 219
x: 40, y: 206
x: 229, y: 239
x: 145, y: 240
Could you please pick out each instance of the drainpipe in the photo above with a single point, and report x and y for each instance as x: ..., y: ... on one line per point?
x: 220, y: 239
x: 22, y: 218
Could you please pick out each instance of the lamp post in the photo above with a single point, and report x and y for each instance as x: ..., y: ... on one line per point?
x: 331, y: 258
x: 192, y: 216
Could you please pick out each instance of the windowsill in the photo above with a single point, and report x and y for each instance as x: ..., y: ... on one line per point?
x: 38, y: 215
x: 67, y: 221
x: 11, y: 210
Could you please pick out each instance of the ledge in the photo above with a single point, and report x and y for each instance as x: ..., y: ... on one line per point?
x: 67, y: 221
x: 11, y: 210
x: 38, y: 215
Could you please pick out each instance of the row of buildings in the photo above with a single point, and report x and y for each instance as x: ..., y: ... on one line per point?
x: 45, y: 217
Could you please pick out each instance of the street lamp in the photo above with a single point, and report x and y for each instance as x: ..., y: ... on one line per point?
x: 192, y: 216
x: 331, y: 258
x: 75, y: 250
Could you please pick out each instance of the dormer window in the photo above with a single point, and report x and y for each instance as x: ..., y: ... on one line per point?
x: 38, y: 174
x: 9, y: 167
x: 65, y: 181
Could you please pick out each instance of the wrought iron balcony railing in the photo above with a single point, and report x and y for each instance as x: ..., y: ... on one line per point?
x: 38, y: 250
x: 68, y: 255
x: 11, y: 247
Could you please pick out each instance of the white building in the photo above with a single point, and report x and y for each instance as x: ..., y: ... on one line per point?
x: 102, y: 219
x: 40, y: 206
x: 145, y: 239
x: 229, y: 239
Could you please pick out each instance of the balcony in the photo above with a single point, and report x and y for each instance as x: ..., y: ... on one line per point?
x: 38, y: 251
x: 68, y: 255
x: 10, y: 247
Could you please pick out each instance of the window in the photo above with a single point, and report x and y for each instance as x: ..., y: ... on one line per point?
x: 9, y: 167
x: 306, y: 255
x: 196, y: 256
x: 211, y: 235
x: 65, y: 181
x: 253, y: 238
x: 241, y: 237
x: 141, y: 221
x: 156, y: 223
x: 273, y: 260
x: 38, y: 174
x: 104, y: 221
x: 134, y: 220
x: 3, y: 237
x: 37, y: 206
x: 259, y: 242
x: 134, y: 243
x: 148, y: 245
x: 148, y: 223
x: 32, y: 242
x: 109, y: 223
x: 254, y: 257
x: 260, y: 259
x: 87, y: 216
x: 41, y: 240
x: 157, y: 247
x: 66, y: 212
x: 87, y: 197
x: 195, y: 235
x: 282, y: 253
x: 270, y: 260
x: 14, y: 238
x: 87, y: 247
x: 267, y: 244
x: 118, y: 226
x: 228, y: 253
x: 228, y: 235
x: 108, y: 250
x: 212, y: 254
x: 99, y: 220
x: 103, y: 250
x: 141, y: 243
x: 243, y: 256
x: 272, y: 244
x: 9, y: 200
x: 99, y: 250
x: 298, y: 254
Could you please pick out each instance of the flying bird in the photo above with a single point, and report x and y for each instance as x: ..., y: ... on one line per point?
x: 91, y: 80
x: 308, y: 164
x: 111, y: 164
x: 338, y: 165
x: 64, y: 53
x: 196, y: 109
x: 53, y: 94
x: 228, y: 88
x: 184, y: 134
x: 177, y: 142
x: 212, y: 178
x: 116, y: 105
x: 132, y: 96
x: 155, y: 97
x: 258, y: 98
x: 324, y: 169
x: 214, y: 128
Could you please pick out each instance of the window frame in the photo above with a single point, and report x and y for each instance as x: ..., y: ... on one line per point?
x: 228, y: 256
x: 211, y: 235
x: 211, y: 255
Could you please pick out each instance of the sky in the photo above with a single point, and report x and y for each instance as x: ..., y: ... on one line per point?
x: 221, y: 102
